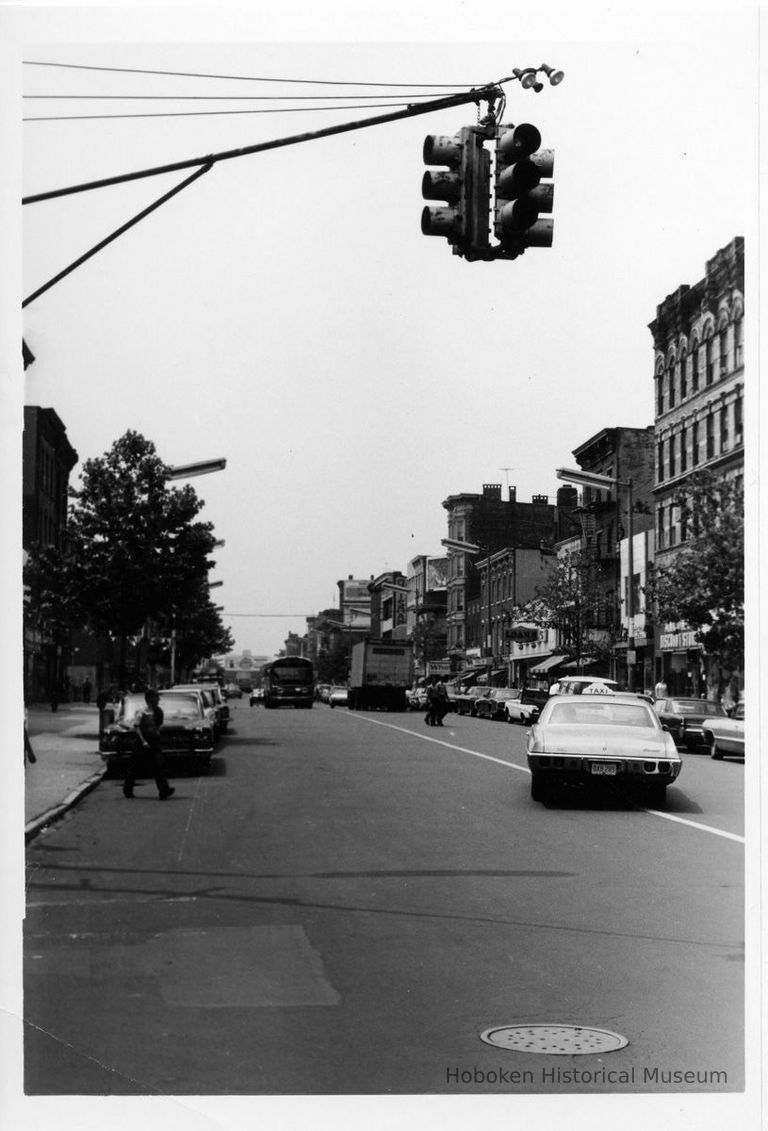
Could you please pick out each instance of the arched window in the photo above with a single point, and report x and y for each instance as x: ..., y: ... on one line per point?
x: 707, y: 366
x: 660, y: 375
x: 738, y: 342
x: 683, y: 374
x: 671, y: 379
x: 696, y: 364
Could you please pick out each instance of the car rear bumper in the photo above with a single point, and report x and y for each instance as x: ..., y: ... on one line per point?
x: 580, y: 769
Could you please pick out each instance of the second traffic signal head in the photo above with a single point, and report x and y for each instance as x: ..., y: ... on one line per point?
x: 465, y: 186
x: 519, y: 195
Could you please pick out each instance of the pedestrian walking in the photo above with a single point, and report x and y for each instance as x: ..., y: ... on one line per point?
x: 432, y: 705
x: 147, y: 724
x: 660, y: 690
x: 86, y: 689
x: 441, y: 702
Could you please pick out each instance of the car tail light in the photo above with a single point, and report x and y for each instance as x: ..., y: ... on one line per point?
x: 535, y: 742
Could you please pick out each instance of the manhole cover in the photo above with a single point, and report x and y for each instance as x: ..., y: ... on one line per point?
x: 568, y: 1040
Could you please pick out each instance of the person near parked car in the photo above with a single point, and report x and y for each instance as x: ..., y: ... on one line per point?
x: 441, y: 708
x: 660, y: 691
x: 147, y: 724
x: 431, y: 716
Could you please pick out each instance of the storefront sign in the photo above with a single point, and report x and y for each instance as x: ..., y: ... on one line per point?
x: 673, y: 641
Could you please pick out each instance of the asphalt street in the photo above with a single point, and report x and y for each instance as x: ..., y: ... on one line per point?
x: 348, y: 901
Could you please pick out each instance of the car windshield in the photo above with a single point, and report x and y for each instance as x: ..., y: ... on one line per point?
x: 179, y: 706
x: 696, y: 707
x: 595, y: 711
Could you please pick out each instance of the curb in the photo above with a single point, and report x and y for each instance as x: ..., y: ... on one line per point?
x: 35, y: 826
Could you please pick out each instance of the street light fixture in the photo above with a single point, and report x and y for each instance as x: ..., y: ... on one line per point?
x: 189, y: 470
x: 593, y: 479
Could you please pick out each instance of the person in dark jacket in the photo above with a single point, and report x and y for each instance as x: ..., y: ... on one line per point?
x: 147, y: 724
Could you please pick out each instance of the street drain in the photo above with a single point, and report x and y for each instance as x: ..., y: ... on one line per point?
x: 554, y: 1040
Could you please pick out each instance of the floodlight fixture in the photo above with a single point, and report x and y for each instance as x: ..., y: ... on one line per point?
x: 555, y: 77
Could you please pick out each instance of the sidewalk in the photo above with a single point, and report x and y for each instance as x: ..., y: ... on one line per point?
x: 68, y: 763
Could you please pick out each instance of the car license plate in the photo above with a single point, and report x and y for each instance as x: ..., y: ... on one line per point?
x: 608, y: 768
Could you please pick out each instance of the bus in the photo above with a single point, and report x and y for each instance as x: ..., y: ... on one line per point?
x: 288, y: 682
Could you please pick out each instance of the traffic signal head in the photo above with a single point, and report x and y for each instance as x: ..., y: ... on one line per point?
x: 465, y: 186
x: 519, y: 195
x: 444, y: 185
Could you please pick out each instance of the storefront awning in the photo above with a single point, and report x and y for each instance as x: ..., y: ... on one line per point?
x: 546, y: 665
x: 499, y: 671
x: 574, y: 665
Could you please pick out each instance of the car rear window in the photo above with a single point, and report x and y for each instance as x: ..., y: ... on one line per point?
x: 180, y: 706
x: 600, y: 712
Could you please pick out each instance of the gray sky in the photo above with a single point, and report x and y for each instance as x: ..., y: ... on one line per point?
x: 287, y: 313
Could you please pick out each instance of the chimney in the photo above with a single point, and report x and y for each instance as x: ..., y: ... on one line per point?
x: 513, y: 494
x: 492, y: 490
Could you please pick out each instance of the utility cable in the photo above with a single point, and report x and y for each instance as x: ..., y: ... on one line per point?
x: 201, y: 113
x: 109, y: 239
x: 234, y: 78
x: 491, y: 92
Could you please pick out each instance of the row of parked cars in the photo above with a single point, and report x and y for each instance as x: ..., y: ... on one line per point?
x: 695, y: 724
x: 195, y: 716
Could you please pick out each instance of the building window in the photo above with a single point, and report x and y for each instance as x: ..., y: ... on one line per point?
x: 683, y: 527
x: 738, y: 343
x: 683, y: 449
x: 660, y: 394
x: 710, y: 436
x: 695, y: 443
x: 710, y: 367
x: 660, y: 531
x: 671, y: 380
x: 660, y: 461
x: 738, y: 423
x: 671, y: 456
x: 724, y: 351
x: 723, y: 429
x: 698, y: 362
x: 683, y: 377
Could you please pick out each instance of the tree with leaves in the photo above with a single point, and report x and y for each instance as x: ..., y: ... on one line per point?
x: 133, y: 553
x: 578, y: 600
x: 703, y: 585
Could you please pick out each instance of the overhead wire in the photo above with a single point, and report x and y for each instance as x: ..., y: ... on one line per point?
x: 210, y: 113
x: 234, y: 78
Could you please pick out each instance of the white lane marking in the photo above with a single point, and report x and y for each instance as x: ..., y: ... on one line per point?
x: 440, y: 742
x: 189, y: 819
x: 697, y: 825
x: 525, y: 770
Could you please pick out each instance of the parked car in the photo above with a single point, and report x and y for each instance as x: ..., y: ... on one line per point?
x: 595, y: 739
x: 577, y: 684
x: 493, y: 705
x: 338, y: 697
x: 524, y: 705
x: 725, y: 736
x: 684, y: 719
x: 233, y: 691
x: 465, y: 702
x: 187, y: 731
x: 213, y: 698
